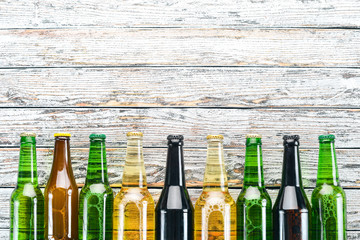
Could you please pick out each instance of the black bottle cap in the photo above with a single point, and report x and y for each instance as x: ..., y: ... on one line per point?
x: 175, y: 139
x: 291, y: 139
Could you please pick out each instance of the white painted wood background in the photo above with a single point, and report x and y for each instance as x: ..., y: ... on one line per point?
x: 190, y: 67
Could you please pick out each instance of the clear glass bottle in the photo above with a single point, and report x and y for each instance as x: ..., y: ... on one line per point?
x: 215, y: 210
x: 134, y: 207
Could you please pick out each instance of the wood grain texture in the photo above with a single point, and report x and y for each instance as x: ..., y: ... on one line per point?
x: 180, y: 87
x: 193, y: 123
x: 353, y: 204
x: 175, y: 13
x: 180, y: 47
x: 195, y: 160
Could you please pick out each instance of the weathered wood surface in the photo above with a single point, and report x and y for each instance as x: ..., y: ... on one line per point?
x: 193, y: 123
x: 175, y: 13
x: 179, y: 47
x: 195, y: 159
x: 353, y: 204
x: 180, y: 87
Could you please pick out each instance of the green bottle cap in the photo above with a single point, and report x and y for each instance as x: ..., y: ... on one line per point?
x: 101, y: 136
x: 329, y: 137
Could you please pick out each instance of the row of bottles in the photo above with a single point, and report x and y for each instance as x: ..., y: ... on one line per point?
x: 64, y: 214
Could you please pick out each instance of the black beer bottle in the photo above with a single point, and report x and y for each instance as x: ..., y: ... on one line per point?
x: 291, y: 212
x: 174, y: 211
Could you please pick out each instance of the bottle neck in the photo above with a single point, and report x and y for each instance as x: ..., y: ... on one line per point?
x: 97, y: 167
x: 215, y: 178
x: 62, y: 159
x: 27, y: 162
x: 327, y: 168
x: 253, y: 174
x: 134, y: 174
x: 291, y: 167
x: 175, y: 175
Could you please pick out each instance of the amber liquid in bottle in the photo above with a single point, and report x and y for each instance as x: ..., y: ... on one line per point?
x: 215, y: 210
x: 134, y: 207
x: 61, y: 195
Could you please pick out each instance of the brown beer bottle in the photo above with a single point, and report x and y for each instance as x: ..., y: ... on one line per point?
x: 61, y: 194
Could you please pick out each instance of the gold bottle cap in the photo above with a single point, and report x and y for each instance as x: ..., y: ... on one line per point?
x: 253, y: 136
x: 62, y: 135
x: 137, y: 134
x: 28, y: 134
x: 215, y: 137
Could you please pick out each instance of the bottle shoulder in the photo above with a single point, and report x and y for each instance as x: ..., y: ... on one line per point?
x: 134, y: 194
x: 174, y: 197
x: 326, y: 190
x: 27, y: 191
x: 254, y: 194
x: 96, y: 189
x: 215, y: 198
x: 292, y: 198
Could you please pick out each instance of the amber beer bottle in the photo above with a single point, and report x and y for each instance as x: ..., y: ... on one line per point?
x: 61, y: 194
x: 174, y: 211
x: 291, y: 212
x: 215, y: 210
x: 134, y: 208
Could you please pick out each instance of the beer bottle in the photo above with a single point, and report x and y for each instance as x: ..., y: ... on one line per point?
x: 174, y: 211
x: 291, y: 212
x: 215, y: 210
x: 254, y: 219
x: 134, y: 208
x: 328, y: 198
x: 27, y: 200
x: 61, y: 194
x: 96, y: 197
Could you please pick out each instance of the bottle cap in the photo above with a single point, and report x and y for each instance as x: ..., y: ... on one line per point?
x: 62, y: 135
x: 137, y: 134
x: 215, y: 137
x: 100, y: 136
x: 291, y: 140
x: 329, y: 137
x: 27, y: 134
x: 291, y: 137
x: 253, y: 136
x: 175, y: 137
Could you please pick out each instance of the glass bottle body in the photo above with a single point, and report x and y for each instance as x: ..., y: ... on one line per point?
x: 61, y: 195
x: 174, y: 211
x: 254, y: 213
x: 291, y: 212
x: 27, y: 200
x: 134, y: 207
x: 215, y: 210
x: 328, y: 198
x: 96, y: 197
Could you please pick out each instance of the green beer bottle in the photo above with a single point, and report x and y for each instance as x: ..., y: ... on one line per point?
x: 27, y: 201
x: 96, y: 197
x: 328, y: 198
x: 254, y: 203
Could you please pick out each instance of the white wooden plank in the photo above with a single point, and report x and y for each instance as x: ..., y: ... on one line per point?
x: 190, y: 47
x: 174, y: 13
x: 180, y: 87
x: 195, y: 160
x: 194, y: 124
x: 352, y: 204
